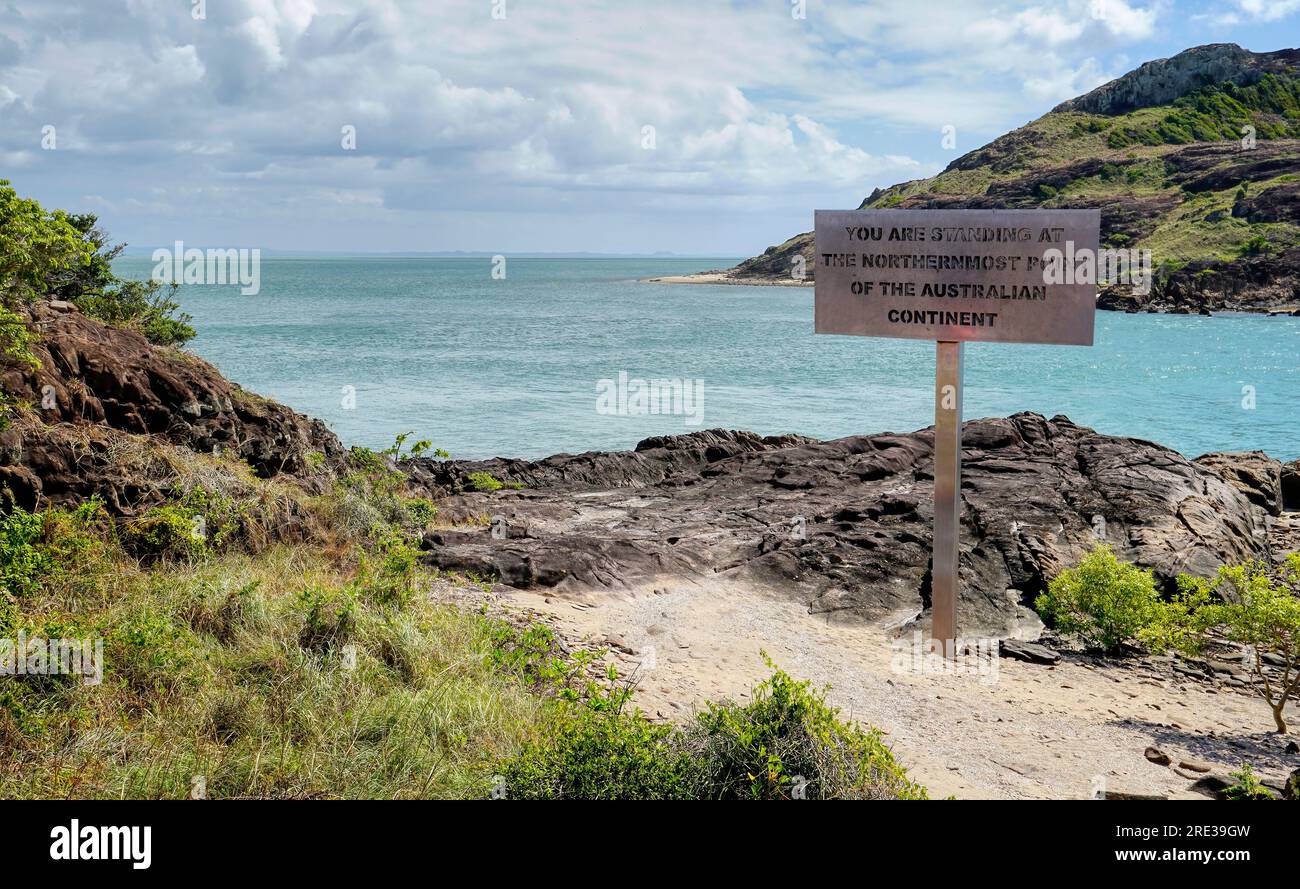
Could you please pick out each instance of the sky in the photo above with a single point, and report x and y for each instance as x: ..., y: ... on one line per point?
x: 701, y: 127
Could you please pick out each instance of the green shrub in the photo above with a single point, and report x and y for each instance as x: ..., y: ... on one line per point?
x: 1104, y: 601
x: 484, y: 481
x: 1258, y: 245
x: 389, y: 575
x: 788, y: 743
x: 595, y: 750
x: 167, y: 532
x: 329, y: 617
x: 1247, y: 785
x: 371, y: 500
x: 22, y: 561
x: 147, y: 648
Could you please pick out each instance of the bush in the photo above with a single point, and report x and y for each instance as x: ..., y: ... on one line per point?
x: 595, y: 750
x: 1247, y: 786
x: 329, y: 617
x: 67, y: 256
x: 167, y: 532
x: 390, y: 575
x: 22, y: 561
x: 1104, y: 601
x: 1258, y: 245
x: 788, y: 743
x: 484, y: 481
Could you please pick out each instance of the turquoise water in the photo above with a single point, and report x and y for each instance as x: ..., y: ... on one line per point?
x: 486, y: 367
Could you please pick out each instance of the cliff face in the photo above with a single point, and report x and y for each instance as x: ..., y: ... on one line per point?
x: 1161, y: 153
x: 98, y: 389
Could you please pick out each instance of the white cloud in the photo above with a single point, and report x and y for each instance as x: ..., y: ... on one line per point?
x: 1267, y: 10
x: 753, y: 112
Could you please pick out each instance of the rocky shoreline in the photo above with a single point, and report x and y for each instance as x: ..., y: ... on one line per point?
x: 689, y: 555
x: 844, y: 526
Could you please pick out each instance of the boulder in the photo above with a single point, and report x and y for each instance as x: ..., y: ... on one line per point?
x: 1029, y: 652
x: 1254, y: 473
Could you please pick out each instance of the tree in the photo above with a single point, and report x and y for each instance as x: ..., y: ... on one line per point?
x: 35, y: 245
x: 1254, y: 605
x: 67, y: 256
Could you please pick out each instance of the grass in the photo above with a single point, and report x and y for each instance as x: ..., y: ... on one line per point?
x: 252, y: 663
x: 225, y: 668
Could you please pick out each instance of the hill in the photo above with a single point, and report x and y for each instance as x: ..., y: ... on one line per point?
x: 1166, y: 153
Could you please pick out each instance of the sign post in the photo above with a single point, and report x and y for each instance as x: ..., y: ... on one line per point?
x: 956, y: 276
x: 947, y: 490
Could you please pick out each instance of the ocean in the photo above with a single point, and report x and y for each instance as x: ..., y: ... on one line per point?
x: 529, y: 364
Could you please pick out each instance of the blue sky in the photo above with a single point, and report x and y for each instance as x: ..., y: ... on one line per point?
x: 522, y: 125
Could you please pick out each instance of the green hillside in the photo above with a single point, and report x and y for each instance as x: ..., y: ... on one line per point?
x: 1217, y: 209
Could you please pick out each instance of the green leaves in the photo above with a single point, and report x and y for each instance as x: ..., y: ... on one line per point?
x: 1256, y: 606
x: 1103, y: 600
x: 55, y: 254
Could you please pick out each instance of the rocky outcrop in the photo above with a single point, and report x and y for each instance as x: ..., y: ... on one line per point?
x: 1161, y: 81
x: 95, y: 383
x: 845, y: 525
x: 1254, y: 473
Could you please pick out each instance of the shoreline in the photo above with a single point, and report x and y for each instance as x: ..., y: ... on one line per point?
x: 724, y: 278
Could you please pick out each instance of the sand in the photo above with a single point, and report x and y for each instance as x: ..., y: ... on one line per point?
x: 1029, y: 732
x: 726, y: 278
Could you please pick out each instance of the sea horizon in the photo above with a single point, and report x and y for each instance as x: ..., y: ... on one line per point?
x: 512, y: 366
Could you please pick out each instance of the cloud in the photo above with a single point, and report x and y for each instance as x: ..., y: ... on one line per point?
x: 1267, y: 10
x: 234, y: 123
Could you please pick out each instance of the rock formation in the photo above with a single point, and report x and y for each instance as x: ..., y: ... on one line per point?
x: 97, y: 385
x: 845, y: 525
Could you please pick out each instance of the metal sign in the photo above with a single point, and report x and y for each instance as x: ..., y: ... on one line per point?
x: 1007, y: 276
x: 955, y: 276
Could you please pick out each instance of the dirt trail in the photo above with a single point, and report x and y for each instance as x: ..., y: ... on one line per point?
x: 1022, y: 731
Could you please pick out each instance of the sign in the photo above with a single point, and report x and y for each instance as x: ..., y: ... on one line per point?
x: 955, y: 276
x: 1006, y: 276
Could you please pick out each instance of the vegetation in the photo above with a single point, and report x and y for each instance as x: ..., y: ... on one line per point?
x: 1256, y: 606
x: 1247, y: 785
x: 54, y: 254
x: 245, y: 658
x: 1103, y: 600
x: 484, y: 481
x: 786, y: 744
x: 1219, y: 112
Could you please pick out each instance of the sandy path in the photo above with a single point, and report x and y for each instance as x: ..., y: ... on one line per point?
x: 1029, y: 731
